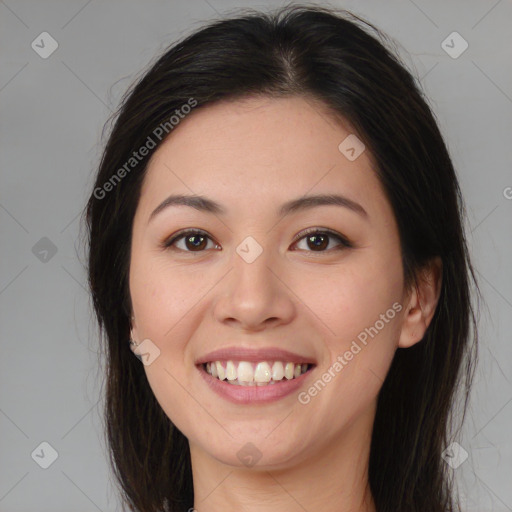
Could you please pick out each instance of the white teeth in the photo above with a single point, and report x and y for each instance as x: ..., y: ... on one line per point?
x: 288, y: 370
x: 245, y: 371
x: 221, y: 373
x: 230, y: 371
x: 278, y: 370
x: 263, y: 373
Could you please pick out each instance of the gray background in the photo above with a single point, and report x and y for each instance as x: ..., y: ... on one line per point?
x: 52, y: 114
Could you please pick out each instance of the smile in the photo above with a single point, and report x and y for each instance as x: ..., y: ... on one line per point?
x: 239, y: 383
x: 261, y: 373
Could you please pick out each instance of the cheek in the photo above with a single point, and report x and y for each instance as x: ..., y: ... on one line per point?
x: 359, y: 308
x: 162, y: 295
x: 353, y: 297
x: 164, y: 302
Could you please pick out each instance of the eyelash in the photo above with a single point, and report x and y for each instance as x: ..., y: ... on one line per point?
x: 344, y: 242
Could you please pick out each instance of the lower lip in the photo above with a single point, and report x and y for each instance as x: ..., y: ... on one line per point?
x: 253, y: 394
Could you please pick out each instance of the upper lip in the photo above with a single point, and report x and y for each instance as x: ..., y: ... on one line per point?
x: 254, y: 355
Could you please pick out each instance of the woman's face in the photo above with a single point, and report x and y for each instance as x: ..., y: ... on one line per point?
x: 253, y: 285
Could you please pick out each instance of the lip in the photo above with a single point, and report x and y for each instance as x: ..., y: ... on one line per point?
x: 253, y: 394
x: 254, y: 355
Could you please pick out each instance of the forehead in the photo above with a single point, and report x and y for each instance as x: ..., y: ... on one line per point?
x: 260, y: 150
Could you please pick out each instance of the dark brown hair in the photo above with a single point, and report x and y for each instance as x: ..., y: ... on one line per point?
x: 343, y: 61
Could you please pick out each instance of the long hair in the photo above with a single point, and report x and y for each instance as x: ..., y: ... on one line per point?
x: 343, y: 61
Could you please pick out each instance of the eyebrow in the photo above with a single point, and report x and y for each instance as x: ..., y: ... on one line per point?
x: 204, y: 204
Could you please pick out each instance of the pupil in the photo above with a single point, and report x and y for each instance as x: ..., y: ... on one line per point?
x: 196, y: 245
x: 321, y: 244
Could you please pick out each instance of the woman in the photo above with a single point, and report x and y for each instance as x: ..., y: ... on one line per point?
x: 276, y: 233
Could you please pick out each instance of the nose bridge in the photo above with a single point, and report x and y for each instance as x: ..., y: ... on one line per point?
x: 253, y: 294
x: 253, y: 269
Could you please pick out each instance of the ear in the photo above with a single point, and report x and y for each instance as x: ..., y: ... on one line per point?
x: 133, y: 333
x: 422, y: 304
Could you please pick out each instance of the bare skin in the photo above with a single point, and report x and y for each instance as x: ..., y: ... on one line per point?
x: 252, y: 156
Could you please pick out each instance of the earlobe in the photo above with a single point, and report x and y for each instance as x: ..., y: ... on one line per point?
x: 133, y: 334
x: 422, y: 304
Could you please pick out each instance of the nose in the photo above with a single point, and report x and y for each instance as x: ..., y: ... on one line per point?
x: 254, y: 296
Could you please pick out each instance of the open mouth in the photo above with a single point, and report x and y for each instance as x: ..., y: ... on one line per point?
x: 262, y: 373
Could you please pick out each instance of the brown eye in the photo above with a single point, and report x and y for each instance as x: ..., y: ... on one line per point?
x: 318, y: 240
x: 195, y: 242
x: 190, y: 241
